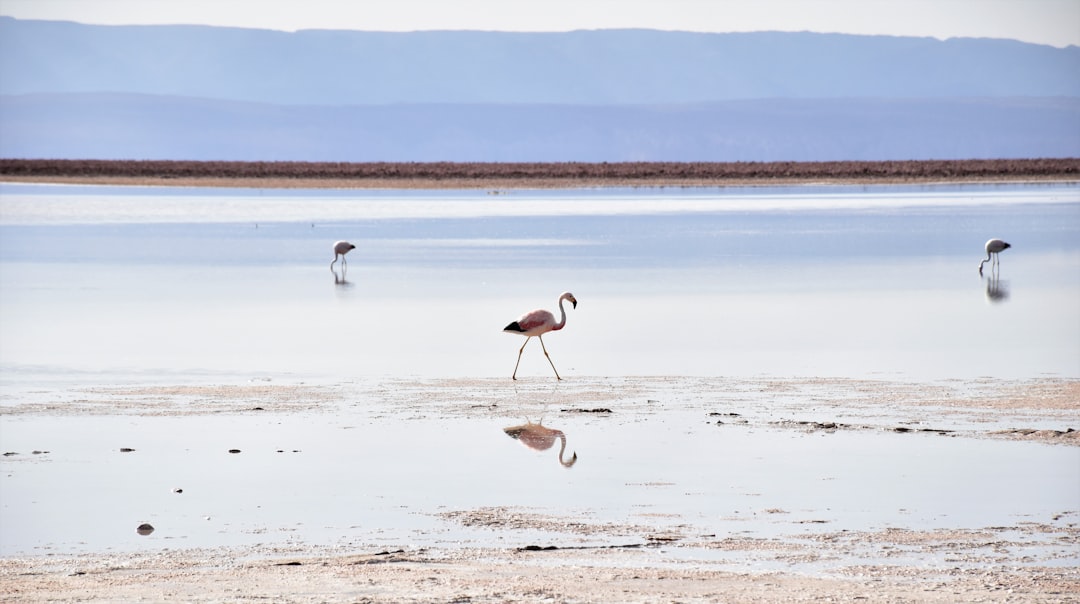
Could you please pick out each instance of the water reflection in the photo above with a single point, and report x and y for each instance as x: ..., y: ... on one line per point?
x: 540, y: 438
x: 777, y: 310
x: 339, y: 278
x: 996, y: 289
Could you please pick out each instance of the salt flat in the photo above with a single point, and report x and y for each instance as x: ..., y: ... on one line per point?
x: 817, y: 393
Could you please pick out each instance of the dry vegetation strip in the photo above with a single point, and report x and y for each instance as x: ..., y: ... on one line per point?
x: 464, y: 174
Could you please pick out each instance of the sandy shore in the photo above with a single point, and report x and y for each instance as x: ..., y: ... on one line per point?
x: 1030, y: 560
x: 611, y: 575
x: 496, y: 177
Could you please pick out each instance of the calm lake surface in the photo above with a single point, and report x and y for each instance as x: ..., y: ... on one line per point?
x: 140, y: 287
x: 829, y: 281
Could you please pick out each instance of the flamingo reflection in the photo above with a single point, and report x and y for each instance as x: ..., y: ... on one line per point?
x: 540, y: 438
x: 996, y: 289
x: 339, y: 279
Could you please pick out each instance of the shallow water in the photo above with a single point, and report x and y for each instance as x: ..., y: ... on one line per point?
x: 116, y: 287
x: 815, y: 281
x: 362, y: 476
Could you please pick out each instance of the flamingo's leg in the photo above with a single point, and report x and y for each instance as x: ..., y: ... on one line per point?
x: 520, y: 350
x: 549, y: 358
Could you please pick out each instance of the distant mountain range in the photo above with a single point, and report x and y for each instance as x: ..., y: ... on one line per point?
x: 192, y: 92
x: 125, y: 126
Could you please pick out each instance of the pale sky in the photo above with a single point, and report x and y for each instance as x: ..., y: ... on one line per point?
x: 1053, y: 22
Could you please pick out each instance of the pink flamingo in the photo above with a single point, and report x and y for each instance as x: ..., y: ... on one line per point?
x: 540, y: 438
x: 340, y: 249
x: 536, y: 323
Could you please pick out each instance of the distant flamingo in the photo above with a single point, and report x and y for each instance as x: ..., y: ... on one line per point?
x: 536, y: 323
x: 993, y: 248
x: 340, y: 249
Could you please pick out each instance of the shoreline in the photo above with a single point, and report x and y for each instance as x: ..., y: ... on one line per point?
x: 618, y: 574
x: 496, y: 185
x: 532, y: 553
x: 550, y: 175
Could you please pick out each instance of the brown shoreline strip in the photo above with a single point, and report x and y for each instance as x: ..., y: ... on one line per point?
x: 528, y: 175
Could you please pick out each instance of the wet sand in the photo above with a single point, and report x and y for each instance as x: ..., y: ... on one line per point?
x: 1032, y: 559
x: 611, y: 575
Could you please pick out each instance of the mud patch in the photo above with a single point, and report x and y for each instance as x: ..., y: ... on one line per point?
x: 505, y: 518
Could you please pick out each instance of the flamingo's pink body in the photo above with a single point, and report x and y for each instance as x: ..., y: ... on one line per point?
x: 540, y: 438
x: 538, y: 322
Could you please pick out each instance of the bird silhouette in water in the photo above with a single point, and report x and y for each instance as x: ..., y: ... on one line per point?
x: 537, y: 323
x: 993, y: 248
x: 340, y: 249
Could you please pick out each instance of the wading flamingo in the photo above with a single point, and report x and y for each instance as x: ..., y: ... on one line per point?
x: 540, y: 438
x: 536, y: 323
x: 340, y: 249
x: 993, y: 248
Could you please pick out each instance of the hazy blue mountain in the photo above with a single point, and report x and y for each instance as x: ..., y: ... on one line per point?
x: 584, y: 67
x: 123, y: 126
x: 192, y: 92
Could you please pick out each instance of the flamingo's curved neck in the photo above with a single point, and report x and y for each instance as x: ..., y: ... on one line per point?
x: 562, y: 449
x: 562, y: 316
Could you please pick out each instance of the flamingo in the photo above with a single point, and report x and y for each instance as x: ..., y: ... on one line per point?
x: 340, y: 249
x: 540, y: 438
x: 993, y: 248
x: 536, y: 323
